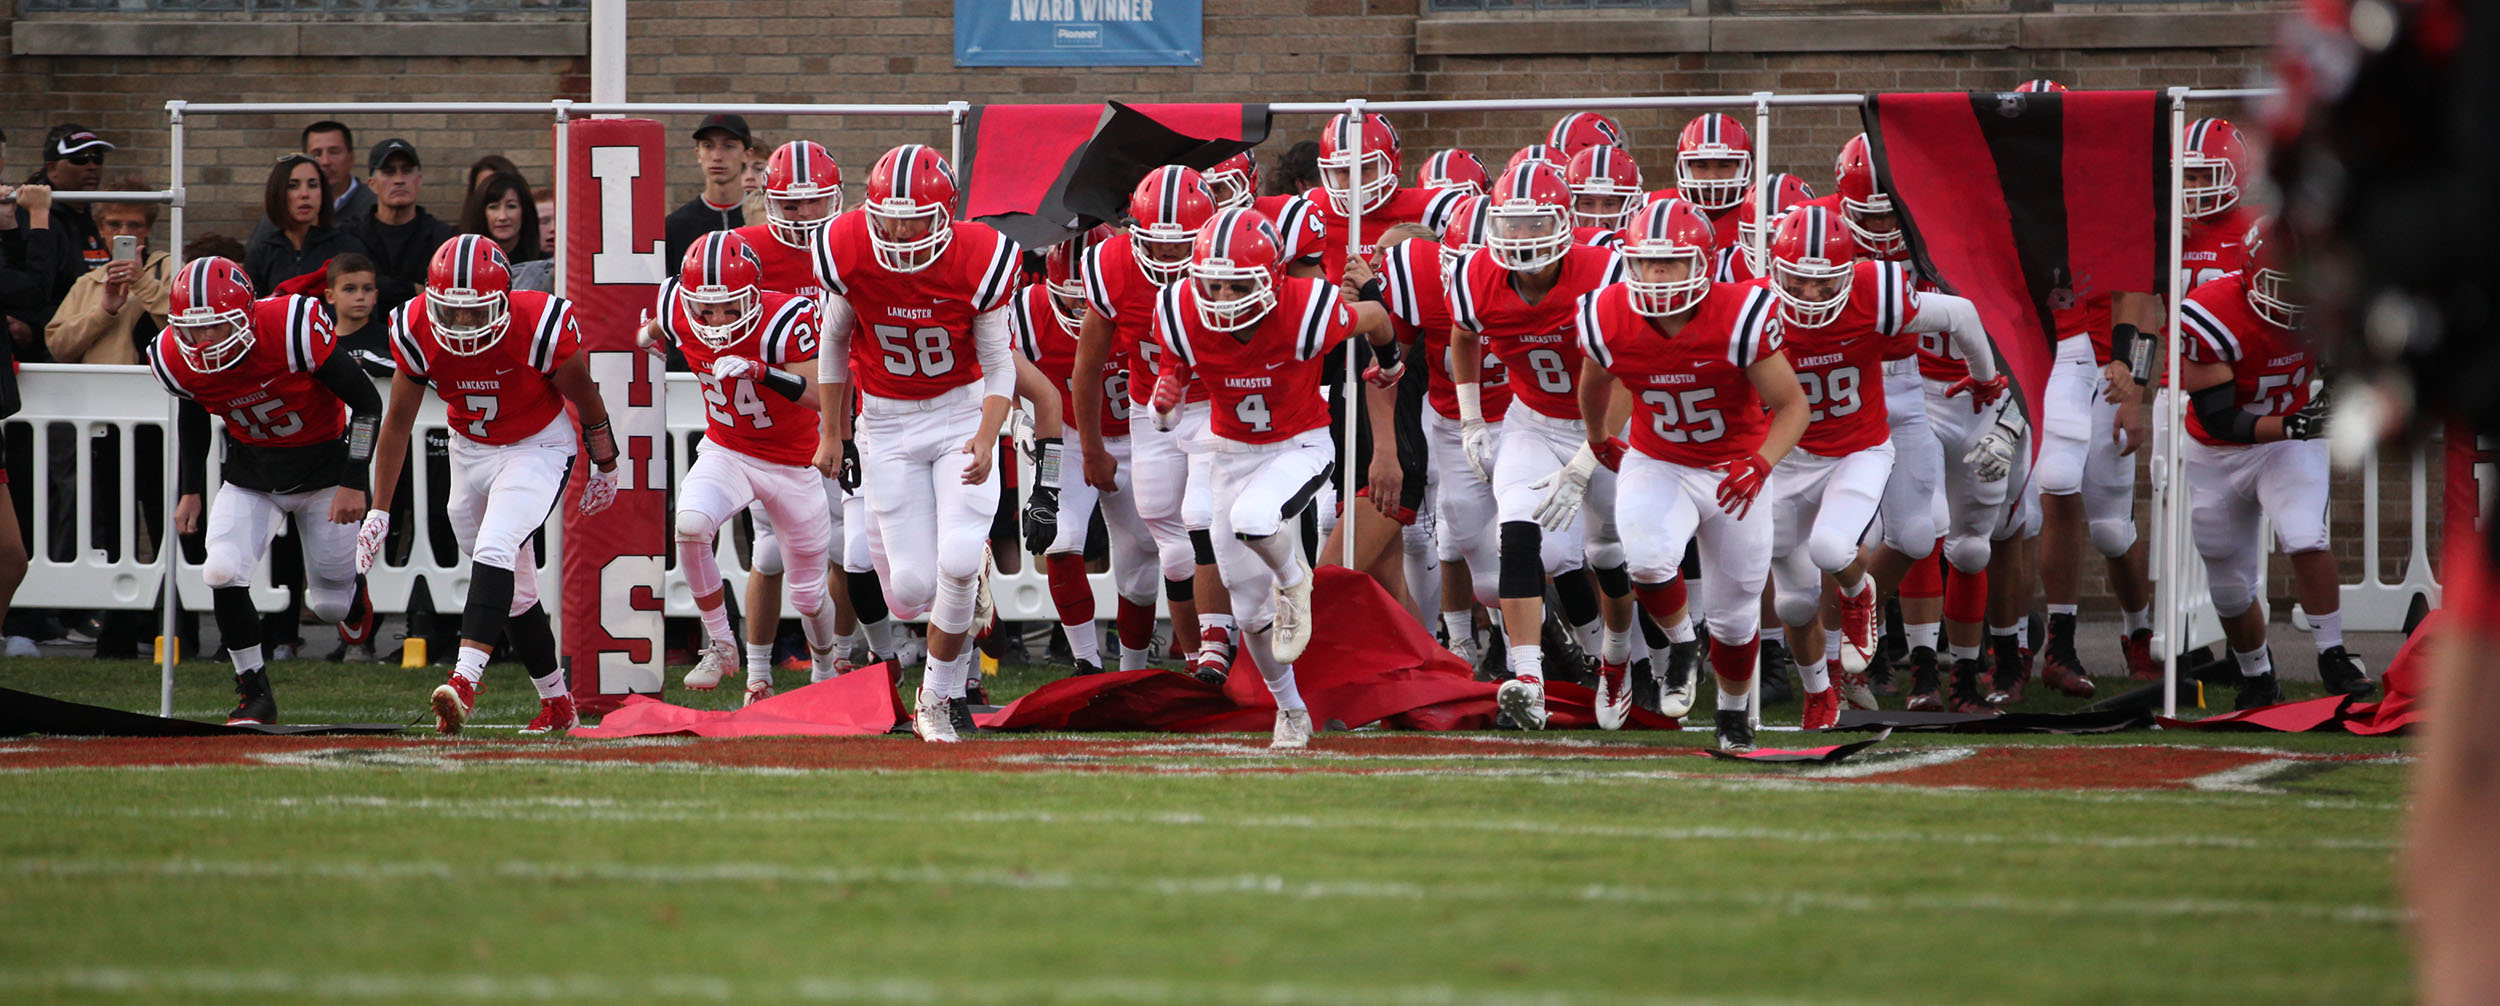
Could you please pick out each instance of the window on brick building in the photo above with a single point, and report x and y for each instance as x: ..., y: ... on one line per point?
x: 1499, y: 5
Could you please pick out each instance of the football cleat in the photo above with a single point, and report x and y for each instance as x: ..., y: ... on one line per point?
x: 1214, y: 660
x: 1861, y: 627
x: 254, y: 705
x: 1822, y: 710
x: 555, y: 716
x: 1966, y: 695
x: 1523, y: 698
x: 1466, y: 649
x: 1776, y: 688
x: 1085, y: 668
x: 977, y: 690
x: 1614, y: 696
x: 2342, y: 674
x: 718, y: 661
x: 1925, y: 690
x: 2257, y: 690
x: 1293, y: 617
x: 837, y: 667
x: 1293, y: 729
x: 2138, y: 646
x: 756, y: 692
x: 2063, y: 673
x: 453, y: 701
x: 1855, y: 691
x: 2013, y: 667
x: 1675, y: 690
x: 959, y: 715
x: 930, y: 720
x: 1734, y: 731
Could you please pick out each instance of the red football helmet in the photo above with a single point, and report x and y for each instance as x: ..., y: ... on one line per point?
x: 1455, y: 169
x: 1064, y: 290
x: 468, y: 290
x: 212, y: 314
x: 1370, y: 143
x: 1237, y: 247
x: 802, y: 190
x: 1787, y: 191
x: 2041, y: 85
x: 1605, y: 187
x: 1462, y: 232
x: 1866, y: 209
x: 1527, y: 218
x: 2213, y: 146
x: 911, y: 207
x: 2266, y: 272
x: 720, y: 270
x: 1669, y: 230
x: 1579, y: 131
x: 1234, y: 181
x: 1166, y: 211
x: 1537, y: 153
x: 1704, y: 152
x: 1811, y: 247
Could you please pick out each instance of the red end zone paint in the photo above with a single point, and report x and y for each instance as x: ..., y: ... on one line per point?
x: 2134, y: 767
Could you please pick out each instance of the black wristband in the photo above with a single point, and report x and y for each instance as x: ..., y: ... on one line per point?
x: 782, y: 382
x: 1387, y: 354
x: 1371, y: 291
x: 2122, y: 342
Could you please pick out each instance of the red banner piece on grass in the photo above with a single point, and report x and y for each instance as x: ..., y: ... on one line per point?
x: 613, y: 226
x: 863, y: 702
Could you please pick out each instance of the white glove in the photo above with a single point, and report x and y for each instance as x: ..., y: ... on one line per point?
x: 1476, y: 441
x: 1992, y: 459
x: 369, y: 539
x: 600, y: 491
x: 1020, y: 427
x: 1564, y: 490
x: 731, y: 367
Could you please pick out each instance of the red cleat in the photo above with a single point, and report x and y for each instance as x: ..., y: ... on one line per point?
x: 453, y: 701
x: 2138, y: 646
x: 1822, y: 710
x: 1214, y: 660
x: 555, y: 716
x: 1861, y: 626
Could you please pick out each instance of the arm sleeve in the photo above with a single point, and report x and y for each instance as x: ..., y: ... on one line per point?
x: 833, y: 357
x: 1959, y: 319
x: 340, y: 374
x: 998, y: 363
x: 2219, y: 412
x: 191, y: 433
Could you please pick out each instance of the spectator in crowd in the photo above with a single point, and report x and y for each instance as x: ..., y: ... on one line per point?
x: 751, y: 206
x: 333, y: 146
x: 545, y: 197
x: 298, y: 204
x: 27, y: 255
x: 488, y: 167
x: 1297, y: 170
x: 112, y: 313
x: 73, y: 161
x: 501, y: 210
x: 721, y: 148
x: 355, y: 313
x: 399, y: 236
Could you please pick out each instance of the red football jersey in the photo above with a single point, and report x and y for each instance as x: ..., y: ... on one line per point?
x: 1417, y: 296
x: 1841, y: 365
x: 1265, y: 380
x: 1116, y: 288
x: 786, y: 269
x: 1723, y: 226
x: 1429, y: 207
x: 2211, y: 249
x: 1534, y: 339
x: 913, y: 339
x: 2270, y: 367
x: 1052, y: 348
x: 1692, y: 404
x: 1295, y: 223
x: 740, y: 414
x: 502, y: 394
x: 270, y: 398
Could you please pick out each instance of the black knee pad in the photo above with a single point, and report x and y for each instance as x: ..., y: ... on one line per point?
x: 1691, y: 566
x: 1615, y: 581
x: 238, y: 623
x: 1203, y: 543
x: 533, y: 637
x: 1651, y: 632
x: 1523, y: 566
x: 490, y: 604
x: 1180, y: 591
x: 1578, y: 596
x: 867, y: 596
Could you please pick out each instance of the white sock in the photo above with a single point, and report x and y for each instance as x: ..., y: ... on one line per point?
x: 1681, y: 631
x: 2329, y: 631
x: 2255, y: 663
x: 1831, y: 644
x: 471, y: 664
x: 1640, y: 640
x: 1733, y: 702
x: 1922, y: 634
x: 1527, y: 662
x: 846, y: 643
x: 942, y: 678
x: 1279, y: 675
x: 1965, y: 652
x: 551, y: 686
x: 2139, y: 620
x: 2061, y: 609
x: 967, y: 665
x: 246, y: 659
x: 1459, y: 624
x: 1616, y: 649
x: 716, y: 622
x: 759, y: 658
x: 1135, y: 658
x: 1590, y: 636
x: 880, y: 637
x: 1816, y: 674
x: 1084, y: 641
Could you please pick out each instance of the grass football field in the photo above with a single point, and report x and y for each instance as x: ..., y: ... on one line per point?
x: 1377, y: 868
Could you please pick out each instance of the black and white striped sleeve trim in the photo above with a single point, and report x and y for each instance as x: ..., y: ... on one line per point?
x: 666, y: 312
x: 1171, y: 328
x: 1397, y: 284
x: 791, y: 328
x: 1463, y: 299
x: 1020, y: 323
x: 2209, y: 329
x: 302, y: 313
x: 828, y: 271
x: 164, y: 373
x: 998, y: 279
x: 404, y: 339
x: 1617, y: 270
x: 1089, y: 271
x: 1756, y: 332
x: 553, y: 319
x: 1437, y: 209
x: 1592, y: 332
x: 1892, y: 298
x: 1317, y: 314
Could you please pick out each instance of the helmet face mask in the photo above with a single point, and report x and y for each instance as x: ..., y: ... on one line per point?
x: 1712, y: 181
x: 1233, y: 270
x: 466, y: 322
x: 911, y: 195
x: 1811, y: 291
x: 1668, y: 251
x: 719, y: 315
x: 213, y: 343
x: 1166, y: 210
x: 2210, y: 168
x: 802, y: 190
x: 1526, y: 236
x: 1366, y: 143
x: 797, y: 220
x: 211, y: 314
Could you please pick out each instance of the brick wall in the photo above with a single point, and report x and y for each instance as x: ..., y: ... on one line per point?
x: 892, y: 51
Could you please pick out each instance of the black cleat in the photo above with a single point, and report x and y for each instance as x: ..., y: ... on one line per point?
x: 1564, y: 660
x: 253, y: 702
x: 2257, y: 690
x: 1776, y: 688
x: 1926, y: 688
x: 1086, y: 667
x: 1966, y: 695
x: 1644, y: 679
x: 1675, y: 687
x: 960, y: 711
x: 1735, y: 731
x: 2012, y: 668
x: 2343, y: 674
x: 977, y: 692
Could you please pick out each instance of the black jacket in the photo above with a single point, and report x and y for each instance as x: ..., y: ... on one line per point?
x: 689, y: 223
x: 400, y: 253
x: 26, y: 270
x: 271, y: 260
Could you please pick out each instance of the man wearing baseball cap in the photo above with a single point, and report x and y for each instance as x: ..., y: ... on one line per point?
x: 399, y: 234
x: 721, y: 145
x: 73, y: 161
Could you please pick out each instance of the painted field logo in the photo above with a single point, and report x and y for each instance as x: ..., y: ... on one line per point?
x: 1076, y: 36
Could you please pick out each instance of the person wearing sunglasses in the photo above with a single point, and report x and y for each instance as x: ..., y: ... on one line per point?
x: 73, y: 161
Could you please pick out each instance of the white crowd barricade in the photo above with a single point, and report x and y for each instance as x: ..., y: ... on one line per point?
x: 88, y: 402
x: 2377, y: 604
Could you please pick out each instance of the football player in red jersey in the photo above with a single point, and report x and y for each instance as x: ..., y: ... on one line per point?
x: 2253, y: 456
x: 1714, y: 408
x: 1370, y: 146
x: 1539, y: 153
x: 1233, y: 181
x: 1454, y: 168
x: 1255, y: 340
x: 1605, y: 189
x: 1787, y: 193
x: 1045, y: 322
x: 1713, y: 170
x: 752, y: 350
x: 266, y: 367
x: 1578, y: 131
x: 1514, y: 298
x: 504, y: 362
x: 1840, y: 315
x: 929, y: 351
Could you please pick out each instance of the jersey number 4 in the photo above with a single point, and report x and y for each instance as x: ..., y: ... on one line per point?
x: 919, y: 352
x: 1676, y: 411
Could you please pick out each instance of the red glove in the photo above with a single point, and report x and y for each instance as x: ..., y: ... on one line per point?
x: 1610, y: 453
x: 1982, y: 393
x: 1171, y: 387
x: 1383, y: 379
x: 1743, y: 480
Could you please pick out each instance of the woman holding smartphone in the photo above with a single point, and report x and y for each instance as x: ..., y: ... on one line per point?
x: 106, y: 318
